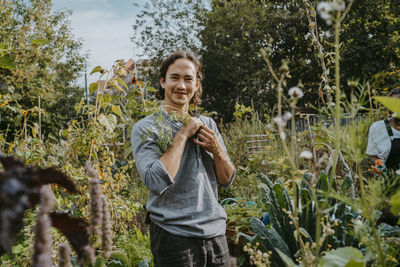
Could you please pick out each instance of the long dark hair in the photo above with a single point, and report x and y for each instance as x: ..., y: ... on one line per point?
x: 169, y: 60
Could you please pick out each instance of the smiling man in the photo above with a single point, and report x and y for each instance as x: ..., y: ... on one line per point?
x: 187, y: 225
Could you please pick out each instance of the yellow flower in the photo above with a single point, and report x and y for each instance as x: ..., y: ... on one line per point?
x: 4, y: 103
x: 24, y: 112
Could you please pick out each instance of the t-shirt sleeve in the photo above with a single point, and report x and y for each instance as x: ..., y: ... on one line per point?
x: 147, y: 159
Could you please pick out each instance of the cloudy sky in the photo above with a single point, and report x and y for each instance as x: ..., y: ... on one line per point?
x: 105, y: 27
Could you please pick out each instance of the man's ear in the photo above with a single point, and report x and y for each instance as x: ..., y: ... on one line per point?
x: 162, y: 82
x: 197, y: 84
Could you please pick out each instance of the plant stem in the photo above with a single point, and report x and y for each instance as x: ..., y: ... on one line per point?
x: 338, y: 95
x: 293, y: 139
x: 367, y: 214
x: 97, y: 108
x: 40, y: 132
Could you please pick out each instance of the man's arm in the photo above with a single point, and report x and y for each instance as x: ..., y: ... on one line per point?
x: 173, y: 156
x: 224, y: 169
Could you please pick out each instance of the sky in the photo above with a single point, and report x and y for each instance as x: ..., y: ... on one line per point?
x: 105, y: 28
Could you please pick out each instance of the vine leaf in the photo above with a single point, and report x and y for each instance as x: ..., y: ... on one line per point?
x: 7, y: 63
x: 117, y: 110
x: 96, y: 69
x: 93, y: 87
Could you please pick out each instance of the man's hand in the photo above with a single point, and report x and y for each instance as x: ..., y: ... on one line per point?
x: 380, y: 167
x: 208, y: 140
x: 191, y: 128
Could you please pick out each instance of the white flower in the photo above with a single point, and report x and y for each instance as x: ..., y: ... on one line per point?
x: 270, y: 127
x: 282, y: 134
x: 327, y: 34
x: 296, y: 92
x: 306, y: 155
x: 280, y: 122
x: 324, y: 9
x: 307, y: 36
x: 398, y: 172
x: 338, y: 5
x: 308, y: 61
x: 287, y: 116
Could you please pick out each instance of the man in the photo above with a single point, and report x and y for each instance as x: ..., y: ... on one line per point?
x: 384, y: 150
x: 187, y: 223
x: 384, y: 141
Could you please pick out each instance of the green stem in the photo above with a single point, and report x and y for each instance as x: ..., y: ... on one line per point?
x: 293, y: 137
x: 367, y: 213
x: 338, y: 95
x: 337, y: 127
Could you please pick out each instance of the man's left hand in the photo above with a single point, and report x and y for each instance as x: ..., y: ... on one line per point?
x: 208, y: 140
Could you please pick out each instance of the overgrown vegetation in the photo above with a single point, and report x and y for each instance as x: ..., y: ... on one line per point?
x: 323, y: 201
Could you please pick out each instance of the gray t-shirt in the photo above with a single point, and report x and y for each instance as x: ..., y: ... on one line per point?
x: 188, y: 205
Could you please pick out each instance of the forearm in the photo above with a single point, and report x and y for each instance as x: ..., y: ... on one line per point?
x: 173, y: 156
x: 223, y: 167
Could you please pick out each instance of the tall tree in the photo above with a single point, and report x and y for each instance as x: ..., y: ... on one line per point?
x: 47, y: 62
x: 372, y: 41
x: 233, y: 34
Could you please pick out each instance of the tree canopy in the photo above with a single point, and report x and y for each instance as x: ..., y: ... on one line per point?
x: 46, y: 62
x: 231, y: 33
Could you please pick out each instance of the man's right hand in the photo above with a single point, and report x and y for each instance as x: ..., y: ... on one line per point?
x: 191, y: 128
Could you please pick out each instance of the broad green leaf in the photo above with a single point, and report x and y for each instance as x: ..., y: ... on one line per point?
x: 7, y: 63
x: 93, y: 87
x: 288, y: 261
x: 96, y: 69
x: 117, y: 110
x: 39, y: 42
x: 123, y: 83
x: 391, y: 103
x: 3, y: 46
x: 343, y: 257
x: 3, y: 49
x: 116, y: 85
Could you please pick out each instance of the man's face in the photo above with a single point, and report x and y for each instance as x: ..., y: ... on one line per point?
x: 180, y: 84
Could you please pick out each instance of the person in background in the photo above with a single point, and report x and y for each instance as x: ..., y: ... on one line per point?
x: 384, y: 150
x: 384, y: 142
x: 187, y: 224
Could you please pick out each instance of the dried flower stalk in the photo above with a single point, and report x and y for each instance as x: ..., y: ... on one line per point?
x: 107, y: 231
x: 43, y: 240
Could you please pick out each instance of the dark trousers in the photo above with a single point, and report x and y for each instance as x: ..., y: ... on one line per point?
x: 175, y: 251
